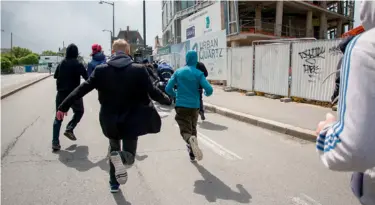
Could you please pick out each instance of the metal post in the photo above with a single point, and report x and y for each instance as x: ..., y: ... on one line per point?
x: 110, y: 40
x: 11, y: 42
x: 144, y: 23
x: 113, y: 21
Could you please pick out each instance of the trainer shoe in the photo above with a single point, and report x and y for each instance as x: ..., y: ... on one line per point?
x: 120, y: 169
x: 193, y: 142
x: 114, y: 188
x: 191, y: 155
x: 70, y: 135
x: 56, y: 147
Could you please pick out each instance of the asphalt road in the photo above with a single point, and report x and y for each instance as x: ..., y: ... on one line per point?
x: 242, y: 164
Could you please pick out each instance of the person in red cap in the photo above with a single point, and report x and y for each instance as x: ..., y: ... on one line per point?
x: 98, y: 58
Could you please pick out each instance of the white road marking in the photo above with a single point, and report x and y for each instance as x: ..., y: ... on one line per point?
x: 304, y: 200
x: 216, y: 147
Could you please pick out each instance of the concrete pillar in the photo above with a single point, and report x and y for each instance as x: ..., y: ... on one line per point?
x: 309, y: 26
x: 258, y: 17
x: 234, y: 44
x: 323, y: 26
x: 279, y: 18
x: 339, y: 28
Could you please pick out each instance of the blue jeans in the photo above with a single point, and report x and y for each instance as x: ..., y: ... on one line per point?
x: 78, y: 111
x: 127, y: 153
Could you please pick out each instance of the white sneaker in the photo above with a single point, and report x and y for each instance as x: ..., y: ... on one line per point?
x: 193, y: 141
x: 120, y: 169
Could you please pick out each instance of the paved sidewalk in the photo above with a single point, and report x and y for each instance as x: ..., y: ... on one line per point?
x: 296, y: 114
x: 15, y: 82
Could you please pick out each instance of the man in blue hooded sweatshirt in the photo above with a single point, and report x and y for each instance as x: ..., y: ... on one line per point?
x: 97, y: 58
x: 188, y: 80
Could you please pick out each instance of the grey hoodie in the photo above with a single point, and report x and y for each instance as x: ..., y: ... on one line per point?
x: 349, y: 143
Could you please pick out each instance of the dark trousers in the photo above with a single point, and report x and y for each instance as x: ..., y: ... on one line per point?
x: 78, y: 111
x: 128, y: 152
x: 201, y: 101
x: 187, y: 119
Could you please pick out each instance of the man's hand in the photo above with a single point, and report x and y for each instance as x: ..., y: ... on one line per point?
x: 60, y: 115
x: 329, y: 119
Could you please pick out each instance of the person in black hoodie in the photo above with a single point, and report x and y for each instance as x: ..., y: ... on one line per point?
x: 202, y: 67
x: 342, y: 46
x: 68, y: 76
x: 126, y: 111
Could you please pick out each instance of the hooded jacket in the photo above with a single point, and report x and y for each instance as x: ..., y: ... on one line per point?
x: 349, y: 143
x: 68, y: 73
x: 97, y: 59
x: 188, y: 79
x: 124, y: 90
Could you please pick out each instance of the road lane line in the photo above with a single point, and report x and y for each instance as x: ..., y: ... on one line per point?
x: 216, y: 147
x: 304, y: 200
x: 219, y: 146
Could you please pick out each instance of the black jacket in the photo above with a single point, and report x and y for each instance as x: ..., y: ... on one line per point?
x: 124, y: 90
x: 68, y: 73
x: 202, y: 67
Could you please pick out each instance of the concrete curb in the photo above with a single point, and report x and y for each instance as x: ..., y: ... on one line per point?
x: 7, y: 94
x: 294, y: 131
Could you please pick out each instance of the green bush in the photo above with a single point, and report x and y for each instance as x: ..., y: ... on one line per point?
x: 31, y: 59
x: 6, y: 66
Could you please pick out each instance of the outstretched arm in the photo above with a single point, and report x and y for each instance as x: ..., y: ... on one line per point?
x: 80, y: 91
x: 153, y: 91
x: 171, y: 83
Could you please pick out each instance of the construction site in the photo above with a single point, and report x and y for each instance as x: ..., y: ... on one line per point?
x: 262, y: 20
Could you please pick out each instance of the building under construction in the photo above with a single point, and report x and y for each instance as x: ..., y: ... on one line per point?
x: 246, y: 21
x: 260, y: 20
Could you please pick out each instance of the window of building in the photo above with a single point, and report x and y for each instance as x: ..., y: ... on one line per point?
x: 190, y: 3
x: 184, y: 5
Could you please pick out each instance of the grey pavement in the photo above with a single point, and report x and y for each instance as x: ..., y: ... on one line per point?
x: 13, y: 81
x: 297, y: 114
x: 242, y: 164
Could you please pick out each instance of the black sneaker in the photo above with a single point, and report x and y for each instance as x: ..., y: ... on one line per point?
x: 191, y: 155
x: 202, y: 116
x: 70, y: 135
x: 114, y: 188
x: 56, y: 147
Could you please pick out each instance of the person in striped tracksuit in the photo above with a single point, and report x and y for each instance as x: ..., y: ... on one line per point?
x: 348, y: 144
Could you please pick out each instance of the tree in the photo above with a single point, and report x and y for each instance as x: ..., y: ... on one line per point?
x: 30, y: 59
x: 19, y: 52
x: 49, y: 53
x: 6, y: 66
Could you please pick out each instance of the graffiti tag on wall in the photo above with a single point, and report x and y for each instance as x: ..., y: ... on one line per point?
x: 334, y: 51
x: 310, y: 57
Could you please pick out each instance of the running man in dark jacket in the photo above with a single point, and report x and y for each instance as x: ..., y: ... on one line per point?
x: 126, y: 110
x: 68, y: 76
x: 202, y: 67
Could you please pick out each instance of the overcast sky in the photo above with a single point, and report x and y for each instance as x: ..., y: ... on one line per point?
x: 44, y: 25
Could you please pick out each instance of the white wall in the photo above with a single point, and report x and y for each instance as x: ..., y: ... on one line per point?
x: 196, y: 23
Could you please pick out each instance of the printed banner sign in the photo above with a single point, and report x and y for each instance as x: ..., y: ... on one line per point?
x: 212, y: 51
